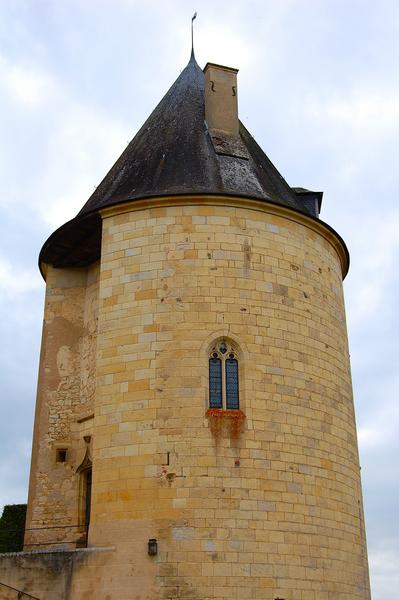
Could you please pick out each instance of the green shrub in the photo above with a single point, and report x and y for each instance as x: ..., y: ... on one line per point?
x: 12, y: 527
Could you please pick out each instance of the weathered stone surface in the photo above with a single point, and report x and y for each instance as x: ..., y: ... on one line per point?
x: 65, y: 397
x: 291, y: 505
x: 274, y: 510
x: 47, y: 575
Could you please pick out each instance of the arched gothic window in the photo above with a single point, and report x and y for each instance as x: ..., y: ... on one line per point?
x: 223, y: 376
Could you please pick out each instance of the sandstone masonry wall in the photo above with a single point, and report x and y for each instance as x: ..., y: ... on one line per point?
x: 65, y: 404
x: 276, y: 511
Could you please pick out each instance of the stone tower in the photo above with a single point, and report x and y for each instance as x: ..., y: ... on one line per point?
x: 195, y: 427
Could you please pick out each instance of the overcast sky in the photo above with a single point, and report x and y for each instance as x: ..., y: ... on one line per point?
x: 318, y: 88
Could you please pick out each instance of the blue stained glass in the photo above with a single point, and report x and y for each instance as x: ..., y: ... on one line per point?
x: 215, y: 383
x: 232, y: 401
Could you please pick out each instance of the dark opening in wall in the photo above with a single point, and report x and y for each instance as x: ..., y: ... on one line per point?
x: 61, y: 455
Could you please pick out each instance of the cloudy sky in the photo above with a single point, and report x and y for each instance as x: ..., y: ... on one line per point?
x: 319, y: 90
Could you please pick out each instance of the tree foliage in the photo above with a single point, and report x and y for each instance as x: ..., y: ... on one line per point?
x: 12, y: 527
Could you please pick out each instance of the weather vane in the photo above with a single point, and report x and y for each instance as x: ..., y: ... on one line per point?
x: 192, y: 33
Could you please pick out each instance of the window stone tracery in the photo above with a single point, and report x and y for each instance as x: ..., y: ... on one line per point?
x: 223, y: 376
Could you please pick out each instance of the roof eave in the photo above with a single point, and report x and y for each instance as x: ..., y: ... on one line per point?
x: 77, y: 243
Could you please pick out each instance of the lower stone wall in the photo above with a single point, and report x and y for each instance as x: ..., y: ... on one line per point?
x: 53, y: 575
x: 9, y: 593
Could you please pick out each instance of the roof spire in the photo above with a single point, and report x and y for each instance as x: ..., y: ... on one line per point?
x: 192, y: 34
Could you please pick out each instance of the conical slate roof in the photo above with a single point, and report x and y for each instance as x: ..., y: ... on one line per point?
x: 174, y: 154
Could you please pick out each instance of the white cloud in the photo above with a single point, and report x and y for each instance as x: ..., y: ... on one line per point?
x: 384, y: 565
x: 25, y: 83
x: 15, y: 470
x: 216, y: 43
x: 364, y: 113
x: 15, y: 282
x: 372, y: 276
x: 78, y: 143
x: 367, y: 113
x: 83, y: 146
x: 382, y: 430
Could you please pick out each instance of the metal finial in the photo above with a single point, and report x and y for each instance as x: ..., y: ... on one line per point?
x: 192, y: 34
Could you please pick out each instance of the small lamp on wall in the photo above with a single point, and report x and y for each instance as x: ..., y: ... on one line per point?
x: 152, y: 547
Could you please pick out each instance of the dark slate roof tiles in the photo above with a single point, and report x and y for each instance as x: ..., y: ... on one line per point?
x: 174, y: 154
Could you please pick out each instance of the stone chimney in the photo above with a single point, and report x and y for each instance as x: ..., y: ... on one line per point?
x: 221, y: 109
